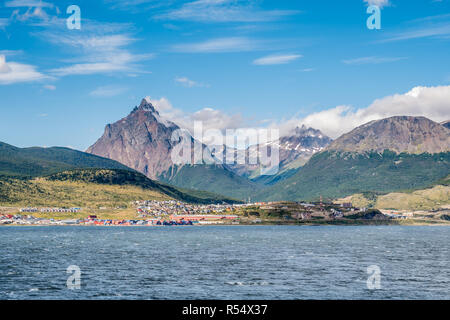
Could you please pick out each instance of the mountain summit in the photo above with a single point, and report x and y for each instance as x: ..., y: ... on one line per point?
x: 413, y: 135
x: 141, y: 141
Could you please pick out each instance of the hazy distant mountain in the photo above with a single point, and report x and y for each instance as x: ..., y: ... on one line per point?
x: 387, y: 155
x: 399, y: 134
x: 295, y: 150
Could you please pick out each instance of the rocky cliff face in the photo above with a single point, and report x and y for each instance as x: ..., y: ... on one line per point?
x: 413, y: 135
x: 141, y: 141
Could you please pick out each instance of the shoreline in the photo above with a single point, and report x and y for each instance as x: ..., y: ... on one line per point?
x: 306, y: 224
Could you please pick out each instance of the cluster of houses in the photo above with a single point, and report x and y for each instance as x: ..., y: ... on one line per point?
x: 163, y: 208
x: 175, y: 220
x: 6, y: 219
x: 308, y: 211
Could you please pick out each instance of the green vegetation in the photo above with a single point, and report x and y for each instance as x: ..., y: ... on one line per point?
x: 93, y: 188
x: 339, y: 174
x: 426, y: 199
x: 136, y: 179
x: 18, y: 168
x: 34, y: 162
x: 40, y: 192
x: 211, y: 178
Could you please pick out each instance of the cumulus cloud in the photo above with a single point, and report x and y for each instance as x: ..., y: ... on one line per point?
x: 13, y: 72
x: 211, y: 119
x: 430, y: 102
x: 276, y: 59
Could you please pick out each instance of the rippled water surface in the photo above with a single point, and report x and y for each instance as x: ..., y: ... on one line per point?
x: 225, y: 262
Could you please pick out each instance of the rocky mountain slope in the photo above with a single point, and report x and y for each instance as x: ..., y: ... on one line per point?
x: 386, y: 155
x: 399, y: 134
x: 143, y: 141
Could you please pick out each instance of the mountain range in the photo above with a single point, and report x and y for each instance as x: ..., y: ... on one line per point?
x: 383, y: 155
x: 143, y: 140
x: 387, y: 155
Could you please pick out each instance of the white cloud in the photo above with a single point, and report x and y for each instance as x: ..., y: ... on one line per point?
x: 13, y: 72
x: 379, y: 3
x: 210, y: 118
x: 49, y: 87
x: 438, y: 30
x: 223, y: 11
x: 37, y: 12
x: 4, y: 22
x: 430, y: 102
x: 276, y: 59
x: 4, y: 68
x: 233, y: 44
x: 98, y: 52
x: 186, y: 82
x: 108, y: 91
x: 372, y: 60
x: 28, y: 3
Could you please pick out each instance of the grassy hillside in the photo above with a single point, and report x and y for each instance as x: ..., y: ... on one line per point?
x: 136, y: 179
x: 336, y: 174
x: 33, y: 162
x: 94, y: 188
x: 41, y: 192
x: 213, y: 179
x: 426, y: 199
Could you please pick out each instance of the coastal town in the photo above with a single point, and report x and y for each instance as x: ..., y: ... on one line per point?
x: 171, y: 212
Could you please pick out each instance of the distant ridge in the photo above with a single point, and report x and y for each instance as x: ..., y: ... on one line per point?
x: 399, y: 134
x: 35, y: 161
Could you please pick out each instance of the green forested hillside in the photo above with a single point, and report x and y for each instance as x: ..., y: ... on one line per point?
x: 211, y: 178
x: 335, y: 174
x: 33, y: 162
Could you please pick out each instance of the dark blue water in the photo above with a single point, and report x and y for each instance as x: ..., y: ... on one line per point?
x: 225, y: 262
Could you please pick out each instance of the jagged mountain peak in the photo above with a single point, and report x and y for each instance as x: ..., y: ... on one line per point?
x: 145, y: 105
x: 399, y: 134
x: 307, y: 131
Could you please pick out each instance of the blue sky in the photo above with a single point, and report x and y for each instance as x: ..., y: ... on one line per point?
x: 236, y: 63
